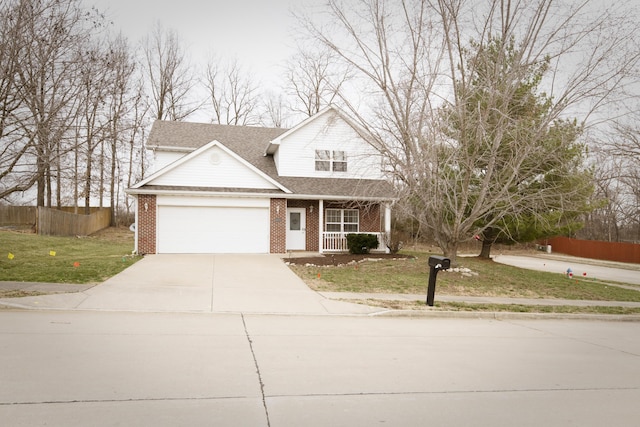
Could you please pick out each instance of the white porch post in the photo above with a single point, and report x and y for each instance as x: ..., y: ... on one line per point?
x: 387, y: 221
x: 320, y: 226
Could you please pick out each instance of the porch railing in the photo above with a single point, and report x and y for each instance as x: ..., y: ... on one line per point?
x: 337, y: 242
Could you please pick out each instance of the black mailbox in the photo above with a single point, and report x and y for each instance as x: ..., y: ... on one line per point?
x: 436, y: 263
x: 439, y: 262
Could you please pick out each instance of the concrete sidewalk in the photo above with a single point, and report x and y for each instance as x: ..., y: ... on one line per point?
x: 477, y: 300
x: 258, y: 284
x: 198, y: 283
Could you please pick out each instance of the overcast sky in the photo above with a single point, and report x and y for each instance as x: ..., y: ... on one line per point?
x: 258, y: 32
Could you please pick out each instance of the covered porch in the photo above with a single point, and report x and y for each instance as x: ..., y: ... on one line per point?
x: 322, y: 225
x: 337, y: 242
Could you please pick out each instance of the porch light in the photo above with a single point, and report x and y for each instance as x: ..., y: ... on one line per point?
x: 311, y: 209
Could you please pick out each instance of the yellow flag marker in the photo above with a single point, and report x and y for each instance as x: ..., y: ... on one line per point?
x: 52, y: 253
x: 10, y: 256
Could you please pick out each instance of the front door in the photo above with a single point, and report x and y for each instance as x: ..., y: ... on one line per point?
x: 296, y: 229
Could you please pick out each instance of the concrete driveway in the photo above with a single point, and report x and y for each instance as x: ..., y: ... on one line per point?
x: 201, y: 283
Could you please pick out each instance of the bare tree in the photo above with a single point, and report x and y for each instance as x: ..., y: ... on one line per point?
x: 170, y: 77
x: 66, y: 94
x: 121, y: 100
x: 603, y: 222
x: 134, y: 137
x: 50, y: 35
x: 96, y: 78
x: 422, y: 71
x: 618, y: 183
x: 314, y: 78
x: 275, y: 111
x: 13, y: 149
x: 233, y: 93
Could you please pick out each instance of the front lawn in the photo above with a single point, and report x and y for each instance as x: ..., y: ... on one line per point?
x: 28, y: 257
x: 486, y: 278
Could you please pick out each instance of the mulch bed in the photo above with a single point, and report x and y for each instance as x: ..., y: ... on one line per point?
x: 340, y: 259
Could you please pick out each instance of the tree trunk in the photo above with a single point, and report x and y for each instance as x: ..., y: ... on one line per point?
x: 40, y: 162
x: 76, y: 183
x: 450, y: 250
x: 87, y: 185
x: 101, y: 189
x: 489, y: 237
x: 58, y: 178
x: 112, y: 189
x: 485, y: 253
x: 48, y: 181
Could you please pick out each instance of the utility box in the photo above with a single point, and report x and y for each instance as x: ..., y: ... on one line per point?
x: 436, y: 263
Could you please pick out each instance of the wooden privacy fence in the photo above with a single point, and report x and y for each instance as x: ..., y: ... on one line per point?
x: 54, y: 222
x: 18, y: 215
x: 610, y: 251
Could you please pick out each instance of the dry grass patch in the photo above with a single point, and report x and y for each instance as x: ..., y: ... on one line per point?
x: 487, y: 278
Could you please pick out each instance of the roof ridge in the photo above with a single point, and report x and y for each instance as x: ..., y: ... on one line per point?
x: 223, y: 125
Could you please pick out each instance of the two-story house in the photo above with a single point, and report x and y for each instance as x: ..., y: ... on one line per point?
x: 241, y: 189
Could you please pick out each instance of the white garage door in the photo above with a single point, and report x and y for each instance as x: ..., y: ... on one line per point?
x: 205, y: 229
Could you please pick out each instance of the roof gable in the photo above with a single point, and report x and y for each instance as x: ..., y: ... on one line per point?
x: 274, y: 144
x: 214, y: 166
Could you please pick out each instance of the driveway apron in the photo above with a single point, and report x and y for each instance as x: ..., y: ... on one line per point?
x: 212, y: 283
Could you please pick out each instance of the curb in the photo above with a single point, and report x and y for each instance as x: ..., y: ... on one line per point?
x: 506, y: 315
x: 416, y: 314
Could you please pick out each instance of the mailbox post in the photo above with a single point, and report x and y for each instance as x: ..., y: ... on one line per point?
x: 436, y: 263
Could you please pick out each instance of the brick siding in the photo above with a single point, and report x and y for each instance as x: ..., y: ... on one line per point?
x: 278, y: 226
x: 369, y: 222
x: 146, y: 224
x: 370, y: 219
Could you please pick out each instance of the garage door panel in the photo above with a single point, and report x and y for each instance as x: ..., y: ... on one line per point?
x: 190, y: 229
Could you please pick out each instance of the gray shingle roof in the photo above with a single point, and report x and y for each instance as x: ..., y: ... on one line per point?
x: 250, y: 143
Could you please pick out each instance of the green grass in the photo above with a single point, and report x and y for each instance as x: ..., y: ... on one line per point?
x: 511, y: 308
x: 77, y: 260
x: 410, y: 276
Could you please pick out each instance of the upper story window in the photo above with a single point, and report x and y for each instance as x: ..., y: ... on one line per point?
x: 327, y: 160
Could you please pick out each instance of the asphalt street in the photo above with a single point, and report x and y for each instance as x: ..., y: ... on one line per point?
x: 79, y: 368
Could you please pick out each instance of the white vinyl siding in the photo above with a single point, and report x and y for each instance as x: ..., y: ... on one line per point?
x: 352, y: 156
x: 214, y: 168
x: 164, y: 158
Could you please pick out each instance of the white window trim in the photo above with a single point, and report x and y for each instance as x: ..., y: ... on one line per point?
x: 342, y: 222
x: 332, y: 160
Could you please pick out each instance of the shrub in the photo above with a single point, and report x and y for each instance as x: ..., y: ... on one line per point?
x: 362, y: 243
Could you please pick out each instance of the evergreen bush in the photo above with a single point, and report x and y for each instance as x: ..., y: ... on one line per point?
x: 362, y: 243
